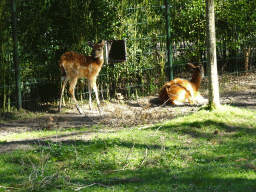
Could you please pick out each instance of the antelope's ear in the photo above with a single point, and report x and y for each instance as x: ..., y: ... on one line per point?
x: 201, y: 66
x: 190, y: 65
x: 103, y: 42
x: 91, y: 44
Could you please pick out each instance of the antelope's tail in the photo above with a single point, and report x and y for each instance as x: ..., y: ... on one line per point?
x: 63, y: 71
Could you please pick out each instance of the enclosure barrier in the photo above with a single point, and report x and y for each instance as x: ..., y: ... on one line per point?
x: 146, y: 28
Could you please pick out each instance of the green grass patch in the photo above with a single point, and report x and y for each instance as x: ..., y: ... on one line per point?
x: 204, y: 151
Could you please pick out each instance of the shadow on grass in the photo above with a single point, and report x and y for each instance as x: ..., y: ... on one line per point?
x: 197, y: 129
x: 190, y: 179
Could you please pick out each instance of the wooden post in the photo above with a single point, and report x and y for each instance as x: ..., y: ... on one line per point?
x: 16, y: 54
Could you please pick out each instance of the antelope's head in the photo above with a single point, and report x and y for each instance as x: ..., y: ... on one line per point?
x: 97, y: 49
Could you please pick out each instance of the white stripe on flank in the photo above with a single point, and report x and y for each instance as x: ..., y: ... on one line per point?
x: 191, y: 90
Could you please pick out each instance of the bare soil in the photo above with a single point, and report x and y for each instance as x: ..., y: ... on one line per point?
x: 119, y: 114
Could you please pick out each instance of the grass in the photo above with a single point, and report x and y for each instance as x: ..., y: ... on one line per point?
x: 204, y: 151
x: 45, y: 133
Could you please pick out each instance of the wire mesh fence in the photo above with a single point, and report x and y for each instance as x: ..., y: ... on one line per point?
x: 46, y: 29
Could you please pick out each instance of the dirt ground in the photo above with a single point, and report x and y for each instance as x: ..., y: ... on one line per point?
x: 117, y: 114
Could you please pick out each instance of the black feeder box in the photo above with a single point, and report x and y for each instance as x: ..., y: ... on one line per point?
x: 116, y: 51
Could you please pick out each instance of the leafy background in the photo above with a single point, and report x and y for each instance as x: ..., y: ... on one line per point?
x: 48, y: 28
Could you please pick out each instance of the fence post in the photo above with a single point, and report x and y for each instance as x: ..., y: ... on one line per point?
x: 168, y: 31
x: 15, y: 54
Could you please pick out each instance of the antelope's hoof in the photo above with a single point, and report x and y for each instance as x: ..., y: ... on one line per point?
x: 79, y: 109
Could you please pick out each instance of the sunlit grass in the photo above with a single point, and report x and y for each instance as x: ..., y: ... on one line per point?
x: 42, y: 134
x: 204, y: 151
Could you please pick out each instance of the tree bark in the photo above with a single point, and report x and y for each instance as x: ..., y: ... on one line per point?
x: 213, y: 86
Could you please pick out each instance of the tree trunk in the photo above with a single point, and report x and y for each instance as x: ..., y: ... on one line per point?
x: 214, y: 100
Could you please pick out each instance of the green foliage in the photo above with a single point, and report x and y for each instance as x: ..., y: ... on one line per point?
x: 46, y: 29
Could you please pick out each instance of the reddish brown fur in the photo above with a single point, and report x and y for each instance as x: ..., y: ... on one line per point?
x: 76, y: 62
x: 74, y: 66
x: 180, y: 90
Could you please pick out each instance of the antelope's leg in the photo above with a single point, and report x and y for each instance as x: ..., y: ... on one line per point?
x: 90, y: 93
x: 191, y: 100
x: 72, y: 92
x: 97, y: 97
x: 199, y: 99
x: 94, y: 86
x: 66, y: 78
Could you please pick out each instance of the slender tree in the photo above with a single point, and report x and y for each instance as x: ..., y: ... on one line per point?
x: 214, y: 101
